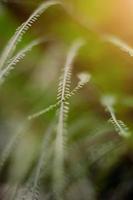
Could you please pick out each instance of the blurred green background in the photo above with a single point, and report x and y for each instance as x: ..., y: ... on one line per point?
x: 95, y: 148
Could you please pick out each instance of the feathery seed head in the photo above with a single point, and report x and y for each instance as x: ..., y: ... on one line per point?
x: 108, y: 100
x: 84, y: 77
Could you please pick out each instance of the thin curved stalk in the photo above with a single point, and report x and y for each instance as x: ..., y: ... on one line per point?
x: 17, y: 58
x: 79, y: 86
x: 11, y: 46
x: 63, y: 90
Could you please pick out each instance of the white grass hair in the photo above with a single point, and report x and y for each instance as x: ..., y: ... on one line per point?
x: 108, y: 102
x: 64, y: 84
x: 18, y: 57
x: 65, y: 78
x: 119, y: 43
x: 84, y: 78
x: 45, y: 154
x: 79, y: 86
x: 63, y: 90
x: 11, y: 46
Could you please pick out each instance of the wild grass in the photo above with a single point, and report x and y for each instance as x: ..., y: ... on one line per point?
x: 17, y: 58
x: 53, y: 148
x: 63, y: 90
x: 7, y: 63
x: 64, y: 93
x: 119, y: 43
x: 46, y: 152
x: 120, y: 127
x: 7, y: 60
x: 11, y: 46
